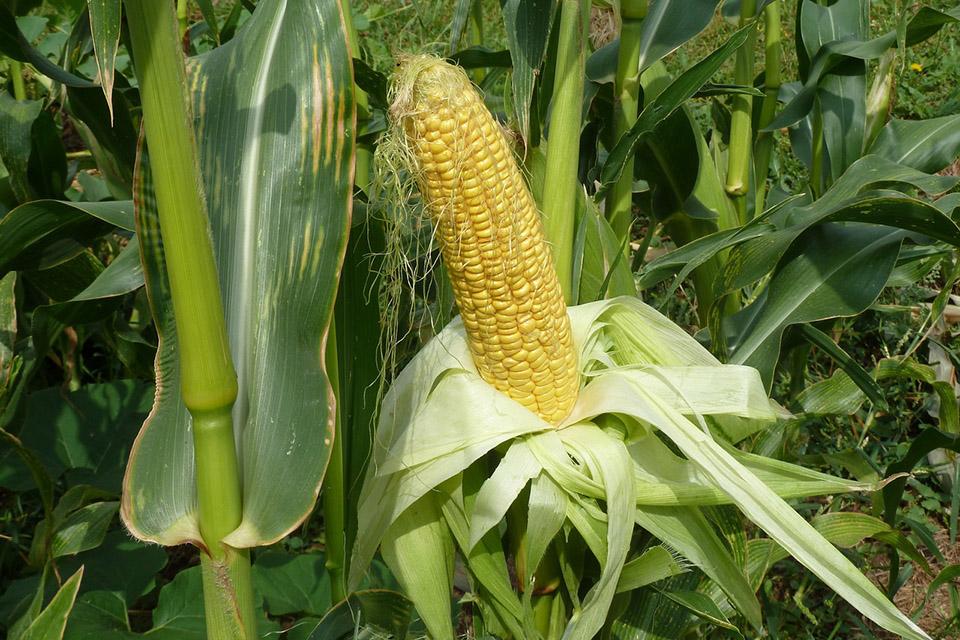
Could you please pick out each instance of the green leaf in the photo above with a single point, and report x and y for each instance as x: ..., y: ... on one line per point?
x: 822, y: 24
x: 50, y: 624
x: 687, y: 530
x: 63, y: 281
x: 15, y: 45
x: 16, y: 125
x: 653, y: 565
x: 120, y: 565
x: 89, y: 431
x: 8, y: 323
x: 756, y: 247
x: 831, y: 53
x: 112, y: 139
x: 371, y: 612
x: 836, y: 395
x: 703, y: 607
x: 275, y: 118
x: 927, y: 22
x: 179, y: 612
x: 461, y: 13
x: 31, y: 603
x: 528, y: 24
x: 921, y: 444
x: 947, y: 575
x: 925, y: 145
x: 650, y: 615
x: 828, y: 56
x: 676, y: 164
x: 669, y: 24
x: 100, y: 615
x: 664, y: 479
x: 600, y: 267
x: 910, y: 369
x: 850, y: 529
x: 485, y: 559
x: 83, y: 529
x: 515, y: 470
x: 670, y: 99
x: 122, y: 276
x: 755, y: 258
x: 609, y: 464
x: 105, y: 33
x: 48, y: 160
x: 210, y: 17
x: 292, y: 583
x: 358, y: 356
x: 839, y: 272
x: 717, y: 89
x: 770, y: 513
x: 843, y: 104
x: 43, y: 233
x: 686, y: 258
x: 856, y: 373
x: 546, y: 512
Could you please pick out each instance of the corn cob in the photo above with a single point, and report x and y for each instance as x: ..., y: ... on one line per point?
x: 491, y: 239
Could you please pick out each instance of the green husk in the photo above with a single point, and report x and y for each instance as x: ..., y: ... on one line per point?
x: 440, y: 417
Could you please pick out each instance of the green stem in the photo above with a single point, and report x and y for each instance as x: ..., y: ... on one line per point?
x: 334, y: 493
x: 625, y: 109
x: 182, y: 18
x: 878, y: 100
x: 798, y: 368
x: 476, y: 24
x: 16, y: 77
x: 640, y: 257
x: 542, y: 610
x: 476, y: 36
x: 683, y: 230
x: 816, y: 163
x: 364, y: 158
x: 208, y: 380
x: 772, y: 81
x: 741, y: 133
x: 563, y: 146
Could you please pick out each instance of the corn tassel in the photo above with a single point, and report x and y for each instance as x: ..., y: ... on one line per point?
x: 491, y: 238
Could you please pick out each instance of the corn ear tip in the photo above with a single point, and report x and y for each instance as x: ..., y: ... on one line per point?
x: 413, y: 70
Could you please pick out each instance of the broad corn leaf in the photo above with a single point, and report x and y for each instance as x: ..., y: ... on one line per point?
x: 105, y: 32
x: 274, y: 116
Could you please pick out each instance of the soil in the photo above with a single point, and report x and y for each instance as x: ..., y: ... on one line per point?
x: 936, y: 617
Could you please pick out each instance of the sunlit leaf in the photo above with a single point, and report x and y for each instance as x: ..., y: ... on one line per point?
x: 528, y: 24
x: 105, y: 32
x: 275, y: 118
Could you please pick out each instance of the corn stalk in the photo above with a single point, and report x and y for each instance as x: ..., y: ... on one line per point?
x: 773, y: 59
x: 619, y: 203
x: 563, y: 143
x: 208, y: 379
x: 741, y: 130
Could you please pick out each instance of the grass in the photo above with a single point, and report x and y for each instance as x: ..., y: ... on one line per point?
x: 417, y: 26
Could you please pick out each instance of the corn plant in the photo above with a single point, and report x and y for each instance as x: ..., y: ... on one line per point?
x: 436, y: 492
x: 213, y: 228
x: 219, y: 320
x: 500, y: 380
